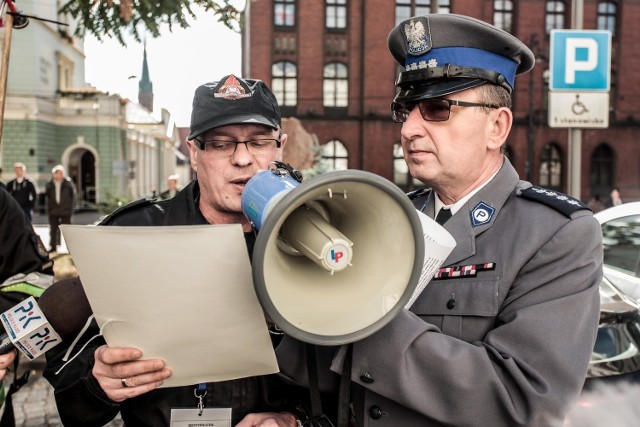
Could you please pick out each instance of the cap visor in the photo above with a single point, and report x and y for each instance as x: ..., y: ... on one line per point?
x: 436, y: 89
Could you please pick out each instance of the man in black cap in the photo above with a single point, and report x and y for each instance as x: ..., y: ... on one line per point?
x: 503, y: 334
x: 235, y: 133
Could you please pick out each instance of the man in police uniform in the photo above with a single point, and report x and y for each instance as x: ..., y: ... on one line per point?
x: 503, y: 335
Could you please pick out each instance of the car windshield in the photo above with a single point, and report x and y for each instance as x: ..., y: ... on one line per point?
x: 621, y: 244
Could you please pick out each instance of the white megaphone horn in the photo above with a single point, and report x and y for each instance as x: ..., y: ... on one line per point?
x: 337, y: 256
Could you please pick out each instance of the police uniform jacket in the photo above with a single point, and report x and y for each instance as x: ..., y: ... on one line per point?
x: 506, y: 346
x: 81, y: 401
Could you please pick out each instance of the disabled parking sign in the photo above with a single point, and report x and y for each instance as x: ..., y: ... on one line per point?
x: 580, y: 60
x: 580, y: 78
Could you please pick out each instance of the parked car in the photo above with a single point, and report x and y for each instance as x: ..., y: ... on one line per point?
x: 621, y: 244
x: 612, y: 386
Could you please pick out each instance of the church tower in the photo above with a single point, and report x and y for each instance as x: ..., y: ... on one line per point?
x: 145, y: 87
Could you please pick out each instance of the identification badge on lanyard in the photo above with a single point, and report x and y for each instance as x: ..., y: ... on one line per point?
x: 200, y: 416
x: 207, y: 417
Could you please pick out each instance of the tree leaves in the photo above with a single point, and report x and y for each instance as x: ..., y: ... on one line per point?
x: 111, y: 18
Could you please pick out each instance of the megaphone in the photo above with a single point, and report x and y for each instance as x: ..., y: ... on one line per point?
x: 336, y: 256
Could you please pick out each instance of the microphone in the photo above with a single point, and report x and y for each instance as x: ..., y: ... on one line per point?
x: 36, y: 327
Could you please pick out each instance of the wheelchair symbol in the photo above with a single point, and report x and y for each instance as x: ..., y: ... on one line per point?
x: 578, y: 108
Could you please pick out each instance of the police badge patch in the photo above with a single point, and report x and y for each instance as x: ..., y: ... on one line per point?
x: 417, y: 36
x: 481, y: 214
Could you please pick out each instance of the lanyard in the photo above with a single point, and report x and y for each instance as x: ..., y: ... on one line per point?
x: 200, y: 392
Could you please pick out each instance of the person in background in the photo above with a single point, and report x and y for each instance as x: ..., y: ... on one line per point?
x: 614, y: 198
x: 503, y: 334
x: 235, y: 133
x: 172, y: 183
x: 60, y: 193
x: 23, y: 189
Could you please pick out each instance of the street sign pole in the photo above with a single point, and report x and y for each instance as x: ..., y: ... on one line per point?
x: 575, y: 134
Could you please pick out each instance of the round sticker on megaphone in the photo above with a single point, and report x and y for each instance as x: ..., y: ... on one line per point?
x: 337, y: 256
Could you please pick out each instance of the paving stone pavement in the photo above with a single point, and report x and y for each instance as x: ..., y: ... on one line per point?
x: 34, y: 404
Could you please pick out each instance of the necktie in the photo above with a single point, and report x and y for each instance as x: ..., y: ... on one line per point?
x: 443, y: 216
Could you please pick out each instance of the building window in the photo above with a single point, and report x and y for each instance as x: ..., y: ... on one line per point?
x: 284, y: 83
x: 335, y: 45
x: 65, y: 72
x: 607, y: 13
x: 335, y: 85
x: 503, y: 14
x: 284, y: 13
x: 554, y: 19
x: 335, y: 154
x: 551, y: 167
x: 602, y: 170
x: 284, y: 44
x: 401, y: 176
x: 405, y: 9
x: 336, y: 14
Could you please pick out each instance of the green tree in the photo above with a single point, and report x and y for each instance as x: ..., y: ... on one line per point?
x: 111, y: 18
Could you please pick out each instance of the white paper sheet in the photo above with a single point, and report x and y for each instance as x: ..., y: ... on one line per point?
x: 182, y: 293
x: 438, y: 244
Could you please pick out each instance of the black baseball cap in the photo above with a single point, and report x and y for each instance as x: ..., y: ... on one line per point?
x: 233, y: 101
x: 448, y: 53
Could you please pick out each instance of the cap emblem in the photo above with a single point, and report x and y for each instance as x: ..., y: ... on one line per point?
x: 417, y: 38
x: 231, y: 89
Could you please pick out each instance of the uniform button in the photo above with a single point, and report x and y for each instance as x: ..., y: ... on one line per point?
x: 451, y: 303
x: 375, y: 412
x: 366, y: 378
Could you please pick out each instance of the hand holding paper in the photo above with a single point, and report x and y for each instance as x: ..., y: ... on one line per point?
x: 183, y: 294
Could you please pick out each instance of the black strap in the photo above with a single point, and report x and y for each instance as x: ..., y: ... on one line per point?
x: 344, y: 398
x: 314, y: 388
x: 450, y: 71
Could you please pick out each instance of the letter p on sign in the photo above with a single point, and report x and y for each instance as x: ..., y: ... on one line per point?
x: 580, y: 60
x: 582, y: 55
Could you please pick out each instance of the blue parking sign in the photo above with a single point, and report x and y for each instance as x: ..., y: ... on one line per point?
x: 580, y: 60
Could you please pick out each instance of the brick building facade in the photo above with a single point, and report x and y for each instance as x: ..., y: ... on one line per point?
x: 328, y: 63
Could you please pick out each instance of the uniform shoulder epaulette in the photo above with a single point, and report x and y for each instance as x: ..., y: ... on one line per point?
x: 562, y: 203
x: 129, y: 206
x: 418, y: 193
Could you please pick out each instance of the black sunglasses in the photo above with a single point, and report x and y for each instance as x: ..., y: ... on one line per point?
x: 431, y: 110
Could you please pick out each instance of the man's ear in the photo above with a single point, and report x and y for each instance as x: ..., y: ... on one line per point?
x: 283, y: 141
x: 500, y: 126
x: 193, y: 154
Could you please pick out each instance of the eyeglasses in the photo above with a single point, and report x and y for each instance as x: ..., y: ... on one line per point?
x: 222, y: 148
x: 432, y: 110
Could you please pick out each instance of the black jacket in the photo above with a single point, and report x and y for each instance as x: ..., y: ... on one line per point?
x: 24, y: 192
x: 81, y: 401
x: 20, y: 248
x: 67, y: 198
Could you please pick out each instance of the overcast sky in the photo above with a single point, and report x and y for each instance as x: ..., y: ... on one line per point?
x: 179, y: 61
